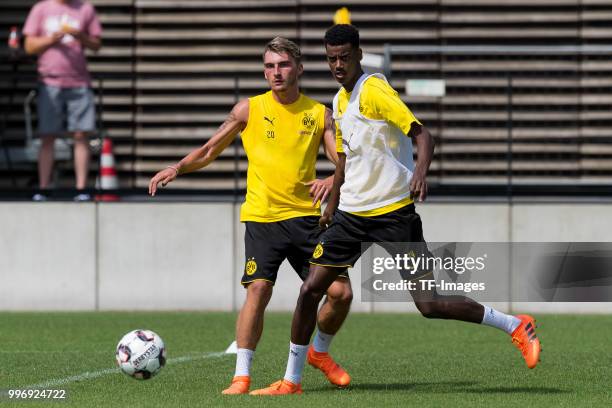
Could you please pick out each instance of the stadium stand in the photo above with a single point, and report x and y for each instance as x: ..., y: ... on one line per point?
x: 171, y: 70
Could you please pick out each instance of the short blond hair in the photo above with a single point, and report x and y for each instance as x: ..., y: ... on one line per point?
x: 279, y: 45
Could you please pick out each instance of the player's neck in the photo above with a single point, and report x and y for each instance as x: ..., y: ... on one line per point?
x: 288, y: 97
x: 351, y: 84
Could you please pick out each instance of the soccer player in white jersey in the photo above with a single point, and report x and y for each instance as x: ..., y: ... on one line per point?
x: 371, y: 200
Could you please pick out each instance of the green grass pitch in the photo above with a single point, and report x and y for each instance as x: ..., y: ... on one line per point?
x: 394, y: 359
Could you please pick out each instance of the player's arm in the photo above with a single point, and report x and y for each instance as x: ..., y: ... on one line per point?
x: 425, y: 145
x: 334, y: 196
x: 234, y: 123
x: 329, y: 137
x: 319, y: 189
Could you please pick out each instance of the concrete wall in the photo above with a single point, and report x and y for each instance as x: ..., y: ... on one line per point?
x: 47, y: 256
x: 190, y: 256
x: 165, y: 256
x: 561, y: 223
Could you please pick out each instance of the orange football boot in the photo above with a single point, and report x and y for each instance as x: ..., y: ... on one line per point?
x: 240, y: 385
x: 281, y: 387
x: 526, y: 340
x: 334, y: 373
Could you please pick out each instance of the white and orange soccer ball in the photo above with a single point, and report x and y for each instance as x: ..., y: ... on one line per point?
x: 141, y: 354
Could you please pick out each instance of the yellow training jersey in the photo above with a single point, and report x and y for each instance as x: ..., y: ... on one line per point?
x: 281, y: 143
x: 378, y: 101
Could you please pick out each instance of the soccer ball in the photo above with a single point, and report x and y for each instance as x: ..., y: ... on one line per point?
x: 141, y: 354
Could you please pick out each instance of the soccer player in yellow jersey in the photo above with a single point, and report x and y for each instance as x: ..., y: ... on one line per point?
x: 372, y: 201
x: 281, y: 131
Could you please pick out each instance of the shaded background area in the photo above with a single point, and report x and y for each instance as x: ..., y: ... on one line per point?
x: 172, y: 70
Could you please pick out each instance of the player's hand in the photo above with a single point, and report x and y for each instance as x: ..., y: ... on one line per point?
x: 418, y: 186
x: 325, y: 220
x: 164, y: 177
x: 319, y: 189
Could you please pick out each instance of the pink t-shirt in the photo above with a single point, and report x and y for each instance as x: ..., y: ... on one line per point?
x: 64, y: 64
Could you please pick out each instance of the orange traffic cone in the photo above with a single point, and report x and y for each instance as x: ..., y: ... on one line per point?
x: 108, y: 175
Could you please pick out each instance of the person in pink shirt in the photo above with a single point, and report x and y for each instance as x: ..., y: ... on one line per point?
x: 59, y: 31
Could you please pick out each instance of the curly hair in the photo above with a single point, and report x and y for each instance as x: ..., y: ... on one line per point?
x: 340, y: 34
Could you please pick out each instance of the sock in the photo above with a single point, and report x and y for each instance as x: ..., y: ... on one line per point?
x: 500, y: 320
x: 322, y: 341
x: 295, y: 364
x: 243, y: 361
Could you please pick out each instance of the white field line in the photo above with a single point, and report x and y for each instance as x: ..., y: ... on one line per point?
x: 89, y: 375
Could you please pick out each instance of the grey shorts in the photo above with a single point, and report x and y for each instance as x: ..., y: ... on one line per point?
x: 63, y: 110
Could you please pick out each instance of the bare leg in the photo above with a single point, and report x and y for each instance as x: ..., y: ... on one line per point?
x: 336, y: 306
x: 249, y: 325
x: 45, y: 160
x: 435, y: 306
x: 332, y: 314
x: 81, y: 159
x: 314, y: 287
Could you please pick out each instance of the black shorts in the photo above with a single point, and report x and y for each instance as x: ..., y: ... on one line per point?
x: 348, y: 236
x: 268, y: 244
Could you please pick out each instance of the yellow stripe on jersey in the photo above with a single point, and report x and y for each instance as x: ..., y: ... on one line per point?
x: 386, y: 209
x: 281, y: 143
x: 378, y: 101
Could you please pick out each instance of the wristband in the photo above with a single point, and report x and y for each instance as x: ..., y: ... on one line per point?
x: 174, y: 168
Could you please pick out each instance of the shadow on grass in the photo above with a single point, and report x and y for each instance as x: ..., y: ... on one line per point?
x: 516, y: 390
x: 449, y: 387
x: 407, y: 386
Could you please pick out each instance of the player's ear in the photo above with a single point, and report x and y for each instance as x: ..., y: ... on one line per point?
x: 360, y: 54
x: 300, y: 69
